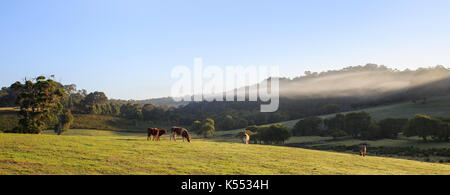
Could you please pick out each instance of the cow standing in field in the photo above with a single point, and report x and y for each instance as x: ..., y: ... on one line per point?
x: 180, y: 131
x: 156, y: 133
x: 160, y: 133
x: 152, y: 132
x: 363, y: 149
x: 246, y: 138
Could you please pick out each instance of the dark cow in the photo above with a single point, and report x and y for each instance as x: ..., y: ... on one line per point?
x: 151, y: 132
x: 363, y: 149
x: 180, y: 131
x: 156, y: 133
x: 160, y: 133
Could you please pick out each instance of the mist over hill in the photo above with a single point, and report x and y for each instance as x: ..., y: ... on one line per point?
x: 164, y: 101
x: 333, y: 91
x: 363, y: 82
x: 370, y: 80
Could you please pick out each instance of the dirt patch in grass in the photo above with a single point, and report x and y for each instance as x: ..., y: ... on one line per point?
x: 22, y: 167
x: 24, y: 164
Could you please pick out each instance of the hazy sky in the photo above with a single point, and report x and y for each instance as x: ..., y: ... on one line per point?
x: 128, y: 48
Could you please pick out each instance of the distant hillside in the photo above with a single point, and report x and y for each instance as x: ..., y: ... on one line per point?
x: 164, y: 101
x: 363, y: 81
x: 370, y: 82
x: 435, y: 107
x: 335, y: 91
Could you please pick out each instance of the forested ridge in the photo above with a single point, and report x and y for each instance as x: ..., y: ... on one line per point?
x: 312, y: 94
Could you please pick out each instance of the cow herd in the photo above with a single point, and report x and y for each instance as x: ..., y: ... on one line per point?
x: 175, y: 131
x: 184, y: 133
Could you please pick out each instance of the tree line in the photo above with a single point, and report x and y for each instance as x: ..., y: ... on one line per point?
x: 234, y: 115
x: 360, y: 125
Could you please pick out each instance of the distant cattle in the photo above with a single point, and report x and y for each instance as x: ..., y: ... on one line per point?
x: 363, y: 149
x: 156, y: 133
x: 177, y: 131
x: 246, y: 138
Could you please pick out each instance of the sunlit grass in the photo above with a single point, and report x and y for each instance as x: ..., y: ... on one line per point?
x: 400, y: 142
x: 121, y: 153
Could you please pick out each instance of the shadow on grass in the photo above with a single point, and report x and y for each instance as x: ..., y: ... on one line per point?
x: 129, y: 139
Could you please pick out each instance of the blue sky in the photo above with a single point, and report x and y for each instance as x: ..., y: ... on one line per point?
x: 128, y: 48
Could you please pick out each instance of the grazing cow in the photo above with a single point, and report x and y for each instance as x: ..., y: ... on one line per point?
x: 180, y: 131
x: 363, y: 149
x: 156, y: 133
x: 246, y: 138
x: 175, y: 131
x: 151, y: 132
x: 160, y: 133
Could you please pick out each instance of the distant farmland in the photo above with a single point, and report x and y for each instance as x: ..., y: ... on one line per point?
x: 109, y: 152
x: 438, y: 106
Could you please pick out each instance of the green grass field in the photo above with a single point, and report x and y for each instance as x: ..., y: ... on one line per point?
x: 119, y: 152
x: 437, y: 106
x: 400, y: 142
x: 109, y: 152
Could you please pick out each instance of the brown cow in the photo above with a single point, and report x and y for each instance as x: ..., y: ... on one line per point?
x: 363, y: 149
x: 180, y: 131
x: 160, y: 133
x: 156, y: 133
x: 151, y: 132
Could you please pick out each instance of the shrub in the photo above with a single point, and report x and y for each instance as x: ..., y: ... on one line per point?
x: 65, y: 121
x: 335, y: 133
x: 207, y: 128
x: 356, y: 123
x: 421, y: 125
x: 390, y: 127
x: 372, y: 132
x: 307, y: 127
x: 277, y: 133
